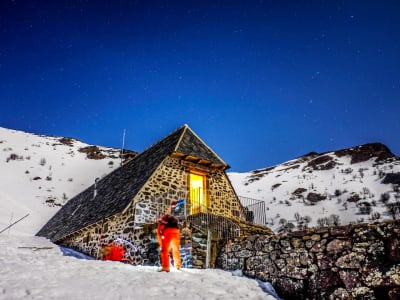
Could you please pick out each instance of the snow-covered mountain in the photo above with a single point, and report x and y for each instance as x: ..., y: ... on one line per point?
x: 360, y: 184
x: 38, y: 174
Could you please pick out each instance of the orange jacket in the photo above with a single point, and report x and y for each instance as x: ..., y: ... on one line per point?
x: 164, y: 223
x: 116, y: 253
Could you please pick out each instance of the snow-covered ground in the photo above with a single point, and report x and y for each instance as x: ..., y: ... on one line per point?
x: 40, y: 173
x: 33, y: 268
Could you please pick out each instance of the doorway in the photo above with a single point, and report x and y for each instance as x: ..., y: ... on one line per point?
x: 198, y: 199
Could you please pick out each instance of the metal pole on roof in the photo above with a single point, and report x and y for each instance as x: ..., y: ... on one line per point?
x: 122, y: 148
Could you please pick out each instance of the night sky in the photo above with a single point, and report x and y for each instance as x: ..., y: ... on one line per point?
x: 261, y: 82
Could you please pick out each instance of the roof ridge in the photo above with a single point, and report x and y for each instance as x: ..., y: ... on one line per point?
x: 208, y: 147
x: 185, y: 127
x: 163, y: 138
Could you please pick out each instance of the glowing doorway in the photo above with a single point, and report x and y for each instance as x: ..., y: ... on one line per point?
x: 197, y: 193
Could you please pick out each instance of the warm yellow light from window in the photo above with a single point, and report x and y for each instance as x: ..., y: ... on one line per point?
x: 197, y: 195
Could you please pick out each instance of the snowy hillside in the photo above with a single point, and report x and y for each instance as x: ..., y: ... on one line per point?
x: 346, y: 186
x: 40, y: 173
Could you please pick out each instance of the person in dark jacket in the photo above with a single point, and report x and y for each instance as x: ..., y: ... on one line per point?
x: 168, y: 236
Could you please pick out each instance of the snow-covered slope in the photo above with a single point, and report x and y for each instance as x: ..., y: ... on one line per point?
x: 340, y: 187
x: 34, y: 268
x: 38, y: 174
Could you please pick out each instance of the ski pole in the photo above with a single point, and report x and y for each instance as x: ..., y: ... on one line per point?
x: 9, y: 226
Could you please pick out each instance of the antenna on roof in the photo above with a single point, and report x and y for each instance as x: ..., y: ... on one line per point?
x: 122, y: 148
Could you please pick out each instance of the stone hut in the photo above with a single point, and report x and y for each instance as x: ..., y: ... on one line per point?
x: 179, y: 174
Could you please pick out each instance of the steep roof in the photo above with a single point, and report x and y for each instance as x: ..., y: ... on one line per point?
x: 115, y: 191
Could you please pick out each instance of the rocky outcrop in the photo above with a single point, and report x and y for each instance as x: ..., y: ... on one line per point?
x: 92, y: 152
x: 347, y: 262
x: 393, y: 178
x: 365, y: 152
x: 324, y: 162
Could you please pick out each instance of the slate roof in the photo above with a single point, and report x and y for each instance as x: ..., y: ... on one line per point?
x: 115, y: 191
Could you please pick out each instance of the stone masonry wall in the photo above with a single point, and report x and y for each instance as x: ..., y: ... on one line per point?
x: 168, y: 183
x: 91, y: 239
x: 346, y: 262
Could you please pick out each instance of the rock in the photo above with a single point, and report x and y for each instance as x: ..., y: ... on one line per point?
x: 336, y: 246
x: 318, y: 247
x: 315, y: 197
x: 363, y: 293
x: 351, y: 279
x: 394, y: 294
x: 351, y: 261
x: 340, y: 294
x: 316, y: 237
x: 305, y: 259
x: 394, y: 249
x: 324, y: 281
x: 296, y: 243
x: 290, y: 289
x: 377, y: 278
x: 393, y: 178
x: 294, y: 272
x: 244, y: 253
x: 324, y: 262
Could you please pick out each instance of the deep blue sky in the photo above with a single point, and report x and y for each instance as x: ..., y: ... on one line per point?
x: 261, y: 82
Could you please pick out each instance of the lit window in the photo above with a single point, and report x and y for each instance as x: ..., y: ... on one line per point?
x: 198, y: 199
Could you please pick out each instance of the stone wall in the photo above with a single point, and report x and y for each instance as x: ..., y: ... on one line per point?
x: 346, y: 262
x: 168, y: 183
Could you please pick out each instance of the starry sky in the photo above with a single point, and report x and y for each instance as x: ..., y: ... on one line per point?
x: 261, y: 82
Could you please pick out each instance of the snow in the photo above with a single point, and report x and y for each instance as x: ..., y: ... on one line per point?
x: 34, y: 268
x: 282, y: 204
x: 55, y: 163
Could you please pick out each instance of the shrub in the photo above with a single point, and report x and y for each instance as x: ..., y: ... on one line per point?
x: 354, y: 198
x: 375, y: 216
x: 385, y: 197
x: 338, y: 193
x: 393, y: 209
x: 14, y: 156
x: 364, y: 208
x: 42, y: 161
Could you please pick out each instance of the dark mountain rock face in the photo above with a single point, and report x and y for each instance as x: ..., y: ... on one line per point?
x: 393, y: 178
x: 365, y: 152
x: 324, y: 162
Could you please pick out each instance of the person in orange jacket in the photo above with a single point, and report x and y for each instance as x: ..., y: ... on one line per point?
x: 169, y: 240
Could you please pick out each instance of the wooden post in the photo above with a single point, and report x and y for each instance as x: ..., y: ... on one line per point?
x: 208, y: 253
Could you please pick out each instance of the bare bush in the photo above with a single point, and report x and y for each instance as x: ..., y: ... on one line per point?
x: 42, y: 161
